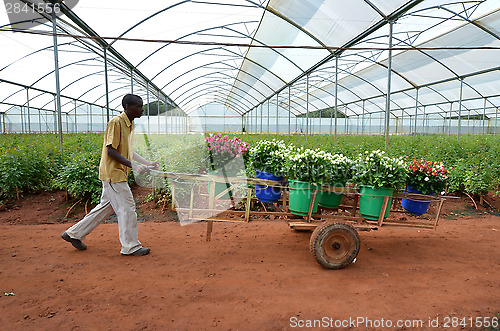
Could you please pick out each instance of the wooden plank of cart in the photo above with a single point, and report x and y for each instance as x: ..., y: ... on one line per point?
x: 334, y: 241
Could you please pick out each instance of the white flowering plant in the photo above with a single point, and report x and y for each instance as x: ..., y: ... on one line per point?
x: 427, y: 176
x: 317, y: 166
x: 339, y: 169
x: 377, y: 169
x: 269, y: 155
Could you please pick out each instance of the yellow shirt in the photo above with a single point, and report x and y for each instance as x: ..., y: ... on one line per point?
x: 118, y: 134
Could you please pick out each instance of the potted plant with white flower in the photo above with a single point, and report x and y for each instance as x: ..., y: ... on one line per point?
x: 424, y: 177
x: 378, y: 175
x: 338, y: 171
x: 268, y: 158
x: 306, y: 170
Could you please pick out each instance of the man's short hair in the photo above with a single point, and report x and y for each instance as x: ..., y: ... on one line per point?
x: 131, y: 99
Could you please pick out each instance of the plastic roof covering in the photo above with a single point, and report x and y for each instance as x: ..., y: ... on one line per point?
x: 214, y: 65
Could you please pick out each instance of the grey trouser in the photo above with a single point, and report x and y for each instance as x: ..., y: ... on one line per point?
x: 115, y: 197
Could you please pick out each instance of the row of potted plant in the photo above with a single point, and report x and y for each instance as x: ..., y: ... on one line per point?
x: 375, y: 173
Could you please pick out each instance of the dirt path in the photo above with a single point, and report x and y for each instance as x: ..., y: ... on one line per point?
x: 256, y: 276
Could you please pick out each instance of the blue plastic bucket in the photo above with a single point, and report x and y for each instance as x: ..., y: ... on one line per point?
x: 413, y: 206
x: 267, y: 193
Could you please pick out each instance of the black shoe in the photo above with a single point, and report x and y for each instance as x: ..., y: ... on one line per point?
x: 140, y: 252
x: 78, y: 244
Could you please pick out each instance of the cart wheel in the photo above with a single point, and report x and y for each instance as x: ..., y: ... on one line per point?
x: 334, y: 245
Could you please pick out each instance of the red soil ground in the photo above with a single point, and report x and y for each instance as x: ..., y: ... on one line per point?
x: 256, y: 276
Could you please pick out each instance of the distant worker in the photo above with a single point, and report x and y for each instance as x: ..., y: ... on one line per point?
x: 117, y: 154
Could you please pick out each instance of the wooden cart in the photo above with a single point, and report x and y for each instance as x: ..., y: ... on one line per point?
x: 334, y: 242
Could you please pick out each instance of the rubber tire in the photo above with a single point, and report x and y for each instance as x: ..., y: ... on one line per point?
x: 338, y: 231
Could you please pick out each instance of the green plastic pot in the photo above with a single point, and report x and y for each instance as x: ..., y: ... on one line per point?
x: 330, y: 200
x: 299, y: 197
x: 371, y: 201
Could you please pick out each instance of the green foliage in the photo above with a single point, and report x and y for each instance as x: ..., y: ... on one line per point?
x: 477, y: 175
x: 32, y: 162
x: 323, y: 113
x: 22, y: 169
x: 269, y: 155
x: 458, y: 173
x: 80, y: 176
x: 316, y: 166
x: 478, y: 181
x: 479, y: 151
x: 154, y: 109
x: 377, y: 169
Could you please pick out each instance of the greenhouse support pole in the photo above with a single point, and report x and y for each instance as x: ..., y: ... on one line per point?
x: 307, y: 106
x: 90, y: 116
x: 261, y: 115
x: 277, y: 112
x: 102, y: 117
x: 444, y: 123
x: 357, y: 124
x: 388, y: 96
x: 132, y: 83
x: 346, y: 128
x: 22, y: 116
x: 256, y: 115
x: 423, y: 122
x: 55, y: 113
x: 363, y: 119
x: 2, y: 122
x: 320, y: 117
x: 76, y: 127
x: 289, y: 113
x: 370, y: 122
x: 296, y: 124
x: 449, y: 122
x: 167, y: 114
x: 468, y: 122
x: 484, y: 113
x: 58, y: 88
x: 106, y: 83
x: 460, y: 108
x: 147, y: 100
x: 336, y: 94
x: 158, y: 112
x: 250, y: 120
x: 496, y: 121
x: 256, y: 127
x: 416, y: 112
x: 28, y: 104
x: 40, y: 119
x: 331, y: 120
x: 268, y: 119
